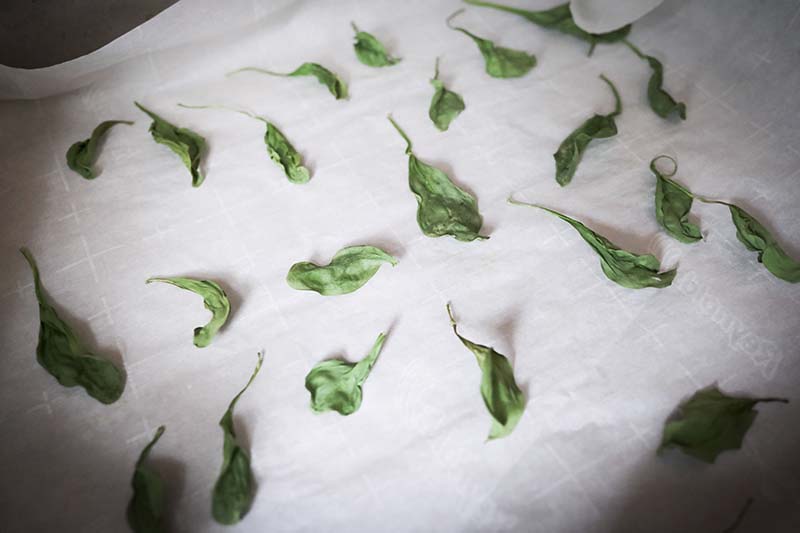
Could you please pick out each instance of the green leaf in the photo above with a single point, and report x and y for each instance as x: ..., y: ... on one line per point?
x: 370, y: 50
x: 60, y: 352
x: 443, y: 208
x: 233, y: 491
x: 214, y: 299
x: 620, y: 266
x: 82, y: 154
x: 711, y: 422
x: 571, y: 150
x: 660, y: 101
x: 502, y: 397
x: 445, y: 105
x: 757, y: 238
x: 500, y: 62
x: 146, y: 509
x: 327, y: 78
x: 673, y: 203
x: 335, y: 385
x: 559, y: 18
x: 347, y: 272
x: 187, y: 144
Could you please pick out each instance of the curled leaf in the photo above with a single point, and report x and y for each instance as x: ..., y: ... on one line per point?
x: 60, y: 352
x: 624, y: 268
x: 370, y: 50
x: 445, y: 104
x: 442, y: 207
x: 214, y: 299
x: 660, y: 101
x: 571, y: 150
x: 559, y: 18
x: 711, y: 422
x: 502, y: 397
x: 82, y: 154
x: 335, y: 385
x: 327, y: 78
x: 500, y: 62
x: 673, y: 203
x: 348, y: 271
x: 233, y: 491
x: 187, y: 144
x: 145, y: 512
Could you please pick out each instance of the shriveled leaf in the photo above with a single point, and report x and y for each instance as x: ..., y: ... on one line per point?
x: 214, y: 299
x: 445, y: 105
x: 233, y: 491
x: 660, y: 101
x: 501, y: 395
x: 370, y: 50
x: 146, y: 508
x: 711, y: 422
x: 673, y: 203
x: 335, y: 385
x: 60, y: 352
x: 624, y: 268
x: 348, y: 271
x: 571, y: 150
x: 500, y: 62
x: 327, y: 78
x: 559, y: 18
x: 442, y: 207
x: 757, y: 238
x: 82, y: 154
x: 187, y: 144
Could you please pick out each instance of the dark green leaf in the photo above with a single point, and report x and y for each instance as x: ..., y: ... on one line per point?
x: 214, y: 299
x: 571, y: 150
x: 559, y: 18
x: 443, y: 208
x: 673, y: 203
x: 370, y: 50
x: 445, y: 105
x: 501, y: 395
x: 187, y: 144
x: 711, y: 422
x: 500, y: 62
x: 60, y: 352
x: 660, y: 101
x: 348, y: 271
x: 335, y: 385
x: 757, y: 238
x: 620, y: 266
x: 233, y: 491
x: 146, y: 509
x: 327, y: 78
x: 82, y: 154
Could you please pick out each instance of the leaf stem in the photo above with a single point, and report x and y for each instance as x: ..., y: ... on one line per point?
x: 664, y: 156
x: 355, y: 28
x: 224, y: 108
x: 455, y: 14
x: 436, y: 69
x: 402, y: 133
x: 255, y: 69
x: 617, y: 100
x: 635, y: 49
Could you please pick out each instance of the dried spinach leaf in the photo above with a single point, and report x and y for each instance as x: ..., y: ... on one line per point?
x: 620, y: 266
x: 502, y: 397
x: 348, y: 271
x: 443, y: 208
x: 445, y: 105
x: 335, y: 385
x: 214, y: 299
x: 571, y: 150
x: 327, y: 78
x: 233, y: 491
x: 146, y: 509
x: 370, y: 50
x: 82, y: 154
x: 711, y: 422
x: 60, y: 352
x: 187, y: 144
x: 660, y: 101
x: 673, y: 203
x: 500, y: 62
x: 559, y: 18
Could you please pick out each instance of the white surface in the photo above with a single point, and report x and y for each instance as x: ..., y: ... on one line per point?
x: 603, y: 366
x: 600, y: 16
